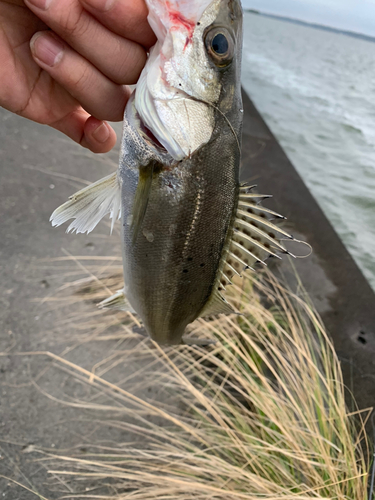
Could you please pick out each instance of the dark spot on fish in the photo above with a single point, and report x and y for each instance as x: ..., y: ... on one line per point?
x: 190, y: 259
x: 242, y: 243
x: 198, y: 24
x: 220, y: 289
x: 256, y: 238
x: 224, y: 283
x: 272, y: 235
x: 267, y: 245
x: 262, y: 215
x: 202, y: 265
x: 250, y: 210
x: 253, y: 224
x: 186, y: 271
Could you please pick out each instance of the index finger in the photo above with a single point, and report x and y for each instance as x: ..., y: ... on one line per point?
x: 127, y: 18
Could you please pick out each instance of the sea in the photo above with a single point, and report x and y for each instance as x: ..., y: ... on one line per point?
x: 316, y: 91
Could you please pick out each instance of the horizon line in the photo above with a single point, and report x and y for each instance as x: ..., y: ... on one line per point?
x: 343, y: 31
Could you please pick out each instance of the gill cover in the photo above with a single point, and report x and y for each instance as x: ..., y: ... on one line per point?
x: 179, y: 83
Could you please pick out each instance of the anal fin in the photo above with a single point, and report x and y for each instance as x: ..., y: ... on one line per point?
x: 89, y: 205
x: 117, y: 302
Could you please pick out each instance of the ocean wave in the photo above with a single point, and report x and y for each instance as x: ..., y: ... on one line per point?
x: 315, y: 90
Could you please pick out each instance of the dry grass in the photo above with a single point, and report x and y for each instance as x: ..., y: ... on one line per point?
x: 261, y: 414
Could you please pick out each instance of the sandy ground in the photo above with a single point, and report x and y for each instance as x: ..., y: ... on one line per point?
x: 39, y: 170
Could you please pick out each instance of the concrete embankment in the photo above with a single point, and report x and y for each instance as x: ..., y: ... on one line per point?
x: 330, y: 276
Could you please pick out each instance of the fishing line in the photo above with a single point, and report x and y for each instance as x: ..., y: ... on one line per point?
x: 223, y: 115
x: 303, y: 243
x: 229, y: 123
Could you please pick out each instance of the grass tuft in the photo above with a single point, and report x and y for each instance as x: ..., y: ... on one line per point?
x: 260, y: 414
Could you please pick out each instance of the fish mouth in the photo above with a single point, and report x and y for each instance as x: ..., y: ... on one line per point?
x: 144, y: 131
x: 147, y: 134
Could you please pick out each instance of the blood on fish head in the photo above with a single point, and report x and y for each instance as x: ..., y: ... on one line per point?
x: 178, y: 14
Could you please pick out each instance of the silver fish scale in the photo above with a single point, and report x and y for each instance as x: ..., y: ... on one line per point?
x: 171, y: 267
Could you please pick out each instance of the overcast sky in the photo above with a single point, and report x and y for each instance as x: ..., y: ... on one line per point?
x: 353, y: 15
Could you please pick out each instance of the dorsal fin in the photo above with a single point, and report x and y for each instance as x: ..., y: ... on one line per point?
x: 217, y: 304
x: 255, y: 237
x: 252, y: 239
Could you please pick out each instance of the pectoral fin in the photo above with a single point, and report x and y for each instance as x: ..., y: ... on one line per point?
x: 88, y: 206
x: 141, y: 197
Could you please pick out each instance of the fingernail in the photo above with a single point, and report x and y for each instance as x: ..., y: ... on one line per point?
x: 39, y: 4
x: 101, y: 134
x: 101, y: 5
x: 46, y: 48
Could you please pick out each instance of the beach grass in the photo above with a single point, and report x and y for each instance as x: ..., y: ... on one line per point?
x: 258, y: 414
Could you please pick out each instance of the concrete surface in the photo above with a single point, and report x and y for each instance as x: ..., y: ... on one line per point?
x: 32, y: 159
x: 30, y: 156
x: 331, y: 277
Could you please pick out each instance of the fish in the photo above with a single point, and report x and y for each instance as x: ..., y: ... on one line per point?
x: 188, y: 225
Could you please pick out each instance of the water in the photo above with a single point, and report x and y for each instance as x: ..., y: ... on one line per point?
x: 316, y: 90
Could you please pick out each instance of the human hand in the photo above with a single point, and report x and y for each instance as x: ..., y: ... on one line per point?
x: 75, y: 76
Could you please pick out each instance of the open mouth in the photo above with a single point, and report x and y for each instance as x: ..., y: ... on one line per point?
x: 149, y: 136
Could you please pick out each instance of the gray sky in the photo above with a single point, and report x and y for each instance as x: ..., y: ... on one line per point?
x: 353, y: 15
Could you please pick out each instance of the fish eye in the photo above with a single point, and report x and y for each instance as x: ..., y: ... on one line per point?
x: 220, y: 46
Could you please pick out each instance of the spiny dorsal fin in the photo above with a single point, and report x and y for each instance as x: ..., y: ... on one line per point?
x: 254, y: 239
x: 118, y: 301
x: 246, y: 203
x: 88, y: 206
